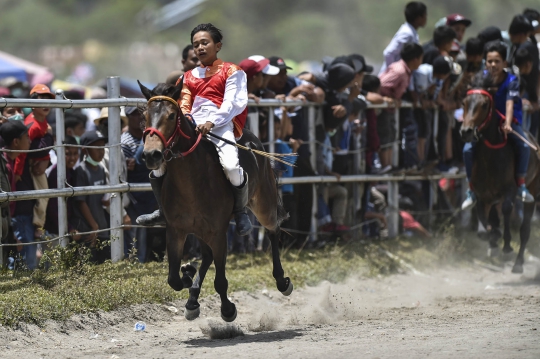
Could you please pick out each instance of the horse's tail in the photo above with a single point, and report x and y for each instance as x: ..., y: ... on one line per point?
x: 282, y: 214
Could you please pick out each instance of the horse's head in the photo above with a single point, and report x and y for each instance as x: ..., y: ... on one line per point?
x: 476, y: 112
x: 161, y: 121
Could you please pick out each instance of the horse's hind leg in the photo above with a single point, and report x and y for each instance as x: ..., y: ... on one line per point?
x: 284, y: 285
x: 175, y: 246
x: 219, y: 252
x: 192, y: 306
x: 524, y: 233
x: 507, y: 208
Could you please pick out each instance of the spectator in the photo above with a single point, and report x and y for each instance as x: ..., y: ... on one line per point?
x: 426, y: 84
x: 189, y: 62
x: 254, y: 74
x: 534, y: 17
x: 15, y: 137
x: 340, y: 78
x: 284, y: 171
x: 443, y: 38
x: 333, y: 191
x: 523, y: 60
x: 72, y: 158
x: 75, y: 125
x: 267, y: 73
x: 371, y: 84
x: 416, y: 17
x: 88, y: 212
x: 519, y: 31
x: 140, y: 202
x: 11, y: 113
x: 457, y: 22
x: 490, y: 33
x: 394, y: 83
x: 474, y: 51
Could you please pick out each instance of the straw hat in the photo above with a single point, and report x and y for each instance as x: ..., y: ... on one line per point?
x: 105, y: 114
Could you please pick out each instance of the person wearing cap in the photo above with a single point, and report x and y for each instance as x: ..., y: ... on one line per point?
x: 137, y: 172
x: 88, y: 212
x: 11, y: 113
x: 416, y: 17
x: 268, y: 72
x: 254, y: 75
x: 457, y: 22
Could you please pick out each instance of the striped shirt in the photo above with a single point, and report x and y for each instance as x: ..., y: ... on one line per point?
x: 129, y: 144
x: 395, y: 80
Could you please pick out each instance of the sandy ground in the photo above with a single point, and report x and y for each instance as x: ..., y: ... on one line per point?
x: 473, y: 312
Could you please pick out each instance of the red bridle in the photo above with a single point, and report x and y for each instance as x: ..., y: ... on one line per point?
x: 150, y: 131
x: 488, y: 117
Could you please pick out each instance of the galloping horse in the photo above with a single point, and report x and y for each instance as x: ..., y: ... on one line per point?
x: 197, y: 197
x: 493, y: 178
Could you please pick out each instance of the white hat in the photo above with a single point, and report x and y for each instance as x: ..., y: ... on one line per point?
x: 268, y: 69
x: 105, y: 114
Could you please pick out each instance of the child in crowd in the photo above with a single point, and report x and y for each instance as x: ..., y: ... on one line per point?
x: 426, y: 84
x: 88, y: 211
x: 15, y: 136
x: 75, y: 125
x: 416, y: 17
x: 394, y: 83
x: 443, y: 39
x: 371, y: 84
x: 72, y: 157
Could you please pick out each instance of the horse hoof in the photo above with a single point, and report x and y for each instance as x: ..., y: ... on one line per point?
x: 230, y: 318
x: 493, y: 252
x: 192, y: 314
x: 517, y: 269
x: 508, y: 250
x: 289, y: 289
x: 189, y: 270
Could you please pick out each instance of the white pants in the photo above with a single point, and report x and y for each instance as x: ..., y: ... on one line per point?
x: 228, y: 155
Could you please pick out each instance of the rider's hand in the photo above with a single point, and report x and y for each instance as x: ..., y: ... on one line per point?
x: 204, y: 129
x: 507, y: 128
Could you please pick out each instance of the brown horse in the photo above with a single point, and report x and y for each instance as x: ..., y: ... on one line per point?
x: 197, y: 197
x: 492, y: 177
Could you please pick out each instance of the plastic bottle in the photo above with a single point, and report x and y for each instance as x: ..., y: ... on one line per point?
x: 140, y: 326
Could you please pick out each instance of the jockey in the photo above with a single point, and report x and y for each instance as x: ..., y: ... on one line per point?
x: 507, y: 101
x: 215, y: 95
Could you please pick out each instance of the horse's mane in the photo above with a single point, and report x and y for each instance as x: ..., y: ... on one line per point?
x: 483, y: 81
x: 163, y: 89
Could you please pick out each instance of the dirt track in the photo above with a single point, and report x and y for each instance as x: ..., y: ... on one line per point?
x: 453, y: 313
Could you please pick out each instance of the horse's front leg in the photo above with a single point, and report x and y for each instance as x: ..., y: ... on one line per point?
x: 219, y: 252
x: 175, y: 247
x: 507, y: 208
x: 284, y: 285
x: 524, y: 233
x: 192, y: 306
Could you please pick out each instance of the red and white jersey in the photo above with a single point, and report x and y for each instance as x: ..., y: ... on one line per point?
x: 216, y: 93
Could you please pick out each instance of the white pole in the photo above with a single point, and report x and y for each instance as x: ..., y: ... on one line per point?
x: 271, y: 136
x: 313, y: 160
x: 115, y: 165
x: 61, y: 171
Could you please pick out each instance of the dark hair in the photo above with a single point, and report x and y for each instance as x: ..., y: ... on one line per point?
x: 216, y: 34
x: 411, y: 51
x: 3, y: 108
x: 496, y: 46
x: 490, y: 33
x: 531, y: 14
x: 371, y: 83
x: 73, y: 120
x: 185, y: 52
x: 520, y: 25
x: 70, y: 141
x: 414, y: 10
x: 474, y: 46
x: 443, y: 35
x: 522, y: 57
x: 441, y: 66
x: 34, y: 96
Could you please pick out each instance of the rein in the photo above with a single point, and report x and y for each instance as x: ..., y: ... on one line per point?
x: 488, y: 118
x: 169, y: 143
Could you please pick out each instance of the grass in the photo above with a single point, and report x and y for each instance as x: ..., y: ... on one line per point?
x: 71, y: 285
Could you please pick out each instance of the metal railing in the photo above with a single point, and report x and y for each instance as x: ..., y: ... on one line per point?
x: 114, y: 102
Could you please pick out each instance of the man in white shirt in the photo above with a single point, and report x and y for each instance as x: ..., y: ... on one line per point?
x: 416, y: 17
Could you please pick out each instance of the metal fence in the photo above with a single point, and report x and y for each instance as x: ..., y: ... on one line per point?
x: 116, y: 188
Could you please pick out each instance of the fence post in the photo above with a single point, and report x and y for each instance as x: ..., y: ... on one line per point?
x: 313, y: 160
x: 393, y: 187
x: 61, y: 171
x: 115, y: 165
x: 271, y: 136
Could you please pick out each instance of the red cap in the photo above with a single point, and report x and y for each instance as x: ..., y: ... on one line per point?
x: 252, y: 68
x: 41, y: 89
x: 455, y: 47
x: 457, y: 18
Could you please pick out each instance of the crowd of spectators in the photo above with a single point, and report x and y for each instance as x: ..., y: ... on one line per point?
x: 351, y: 138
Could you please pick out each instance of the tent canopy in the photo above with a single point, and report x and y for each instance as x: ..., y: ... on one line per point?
x: 7, y: 69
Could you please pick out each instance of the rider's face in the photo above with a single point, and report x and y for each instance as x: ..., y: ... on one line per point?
x: 205, y: 48
x: 495, y: 64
